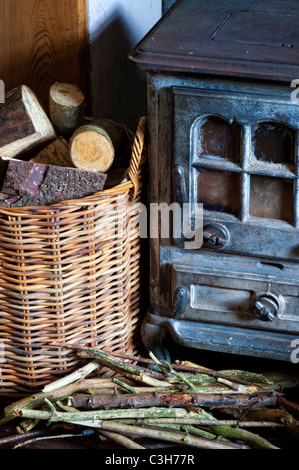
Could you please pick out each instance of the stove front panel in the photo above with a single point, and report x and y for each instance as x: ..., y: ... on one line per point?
x: 238, y: 153
x: 233, y: 146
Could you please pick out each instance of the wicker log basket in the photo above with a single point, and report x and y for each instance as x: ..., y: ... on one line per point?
x: 70, y: 273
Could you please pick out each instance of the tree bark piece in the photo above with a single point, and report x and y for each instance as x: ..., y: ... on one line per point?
x: 36, y: 184
x: 66, y: 108
x: 289, y: 406
x: 175, y: 399
x: 99, y: 420
x: 23, y: 123
x: 122, y: 440
x: 166, y: 422
x: 195, y: 370
x: 250, y: 438
x: 93, y: 146
x: 37, y: 399
x: 78, y: 374
x: 170, y: 436
x: 276, y: 415
x: 56, y: 153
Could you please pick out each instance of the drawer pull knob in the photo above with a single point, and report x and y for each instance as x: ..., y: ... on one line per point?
x: 266, y: 308
x: 215, y: 236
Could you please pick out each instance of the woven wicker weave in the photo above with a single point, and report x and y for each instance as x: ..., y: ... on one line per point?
x: 70, y: 273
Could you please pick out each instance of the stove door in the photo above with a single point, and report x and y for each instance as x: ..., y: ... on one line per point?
x: 237, y: 154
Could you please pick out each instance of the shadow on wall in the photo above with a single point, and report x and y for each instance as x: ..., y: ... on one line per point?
x: 166, y: 4
x: 117, y: 85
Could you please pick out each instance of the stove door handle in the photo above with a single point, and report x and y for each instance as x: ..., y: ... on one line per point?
x: 180, y: 184
x: 180, y: 301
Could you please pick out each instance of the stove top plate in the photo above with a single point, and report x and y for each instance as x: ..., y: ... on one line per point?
x: 240, y: 38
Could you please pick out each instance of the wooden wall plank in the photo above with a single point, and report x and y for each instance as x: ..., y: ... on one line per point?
x: 43, y: 41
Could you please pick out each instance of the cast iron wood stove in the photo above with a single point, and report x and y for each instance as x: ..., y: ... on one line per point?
x: 223, y: 131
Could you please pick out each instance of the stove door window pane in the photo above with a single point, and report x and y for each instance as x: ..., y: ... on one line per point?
x: 218, y: 138
x: 219, y: 191
x: 274, y: 143
x: 271, y: 198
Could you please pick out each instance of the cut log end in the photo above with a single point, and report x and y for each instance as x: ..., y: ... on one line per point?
x: 66, y: 94
x: 56, y: 153
x: 92, y: 151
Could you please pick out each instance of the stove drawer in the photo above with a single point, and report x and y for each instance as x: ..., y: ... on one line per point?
x: 241, y: 299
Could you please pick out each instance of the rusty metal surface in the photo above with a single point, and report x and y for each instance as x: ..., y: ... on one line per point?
x: 261, y: 216
x: 240, y: 38
x: 214, y: 300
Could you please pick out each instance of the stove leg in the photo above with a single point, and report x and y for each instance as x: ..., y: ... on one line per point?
x: 153, y: 337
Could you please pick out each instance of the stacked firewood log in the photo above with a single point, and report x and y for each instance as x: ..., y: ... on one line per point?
x: 62, y: 155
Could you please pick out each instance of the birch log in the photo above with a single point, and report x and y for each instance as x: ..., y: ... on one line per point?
x: 66, y: 108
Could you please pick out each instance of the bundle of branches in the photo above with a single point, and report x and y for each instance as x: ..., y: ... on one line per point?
x: 177, y: 403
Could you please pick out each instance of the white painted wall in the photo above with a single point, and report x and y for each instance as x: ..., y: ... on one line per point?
x: 117, y: 87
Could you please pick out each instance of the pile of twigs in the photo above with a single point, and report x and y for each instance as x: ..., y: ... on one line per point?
x: 180, y: 404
